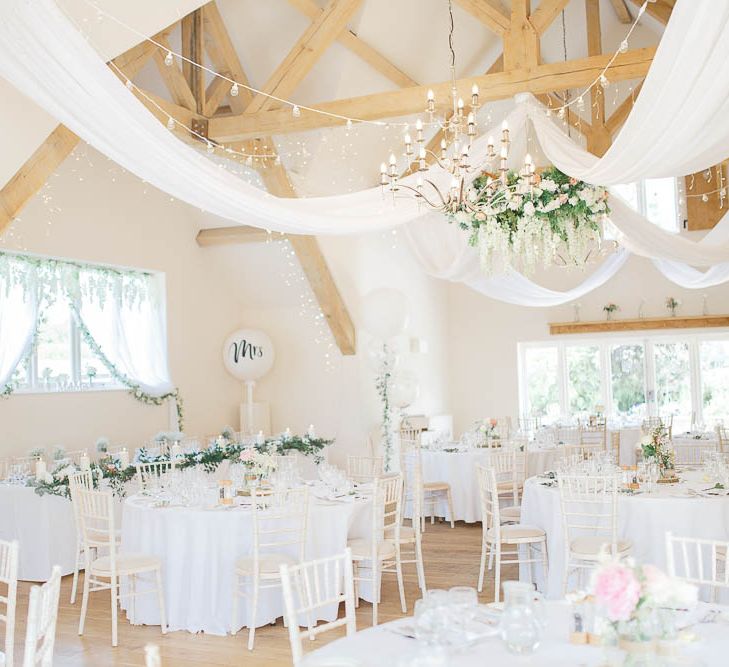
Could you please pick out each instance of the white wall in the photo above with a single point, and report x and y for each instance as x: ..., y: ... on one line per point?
x: 485, y: 333
x: 94, y: 211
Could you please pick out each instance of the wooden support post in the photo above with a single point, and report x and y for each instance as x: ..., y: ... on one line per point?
x: 192, y: 34
x: 599, y: 139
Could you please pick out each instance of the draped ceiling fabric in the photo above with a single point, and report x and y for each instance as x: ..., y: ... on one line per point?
x: 667, y: 134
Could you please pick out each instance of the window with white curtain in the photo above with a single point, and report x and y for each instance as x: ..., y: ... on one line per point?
x: 685, y: 375
x: 657, y: 199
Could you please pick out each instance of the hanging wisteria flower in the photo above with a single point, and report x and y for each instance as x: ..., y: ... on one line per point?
x: 520, y: 225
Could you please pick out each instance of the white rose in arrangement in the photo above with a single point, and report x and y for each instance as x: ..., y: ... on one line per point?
x: 587, y: 195
x: 529, y: 209
x: 646, y: 440
x: 548, y: 185
x: 573, y: 200
x: 462, y: 218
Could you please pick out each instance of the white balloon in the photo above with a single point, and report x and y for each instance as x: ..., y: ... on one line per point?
x: 248, y: 354
x: 404, y: 390
x: 385, y: 312
x: 376, y: 356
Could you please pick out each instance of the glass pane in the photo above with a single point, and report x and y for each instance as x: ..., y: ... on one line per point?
x: 627, y: 369
x: 660, y: 202
x: 715, y: 381
x: 54, y: 348
x: 583, y: 371
x: 542, y: 383
x: 673, y: 383
x: 629, y: 192
x: 93, y: 372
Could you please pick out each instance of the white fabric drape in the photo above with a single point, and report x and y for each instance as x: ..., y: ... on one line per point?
x: 443, y: 252
x: 18, y: 318
x: 678, y: 124
x: 691, y: 278
x: 132, y: 336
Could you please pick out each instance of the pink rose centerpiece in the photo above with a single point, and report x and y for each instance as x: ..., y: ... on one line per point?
x: 638, y: 602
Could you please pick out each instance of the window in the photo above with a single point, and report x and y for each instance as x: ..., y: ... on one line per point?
x: 685, y: 376
x: 62, y: 361
x: 656, y: 199
x: 541, y: 380
x: 583, y: 371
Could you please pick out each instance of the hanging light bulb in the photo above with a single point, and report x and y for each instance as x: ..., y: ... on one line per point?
x: 623, y: 46
x: 349, y: 123
x: 296, y: 111
x: 249, y: 161
x: 210, y: 147
x: 277, y: 161
x: 169, y: 59
x: 129, y: 84
x: 604, y: 81
x: 580, y: 102
x: 234, y: 90
x: 170, y: 123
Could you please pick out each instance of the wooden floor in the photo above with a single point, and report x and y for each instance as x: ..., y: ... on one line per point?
x: 451, y: 559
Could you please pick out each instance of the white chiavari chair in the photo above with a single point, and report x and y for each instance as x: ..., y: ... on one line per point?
x: 593, y: 437
x: 96, y: 511
x: 279, y: 538
x: 40, y: 633
x: 8, y: 597
x: 364, y: 468
x: 149, y: 474
x: 411, y: 537
x: 433, y: 492
x: 589, y: 508
x: 699, y: 562
x: 496, y: 535
x: 567, y: 435
x: 82, y: 480
x: 615, y: 445
x: 381, y: 550
x: 722, y: 435
x: 694, y: 453
x: 313, y: 586
x: 510, y: 469
x: 529, y: 425
x: 5, y: 468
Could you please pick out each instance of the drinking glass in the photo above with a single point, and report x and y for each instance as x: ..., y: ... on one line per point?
x: 521, y: 627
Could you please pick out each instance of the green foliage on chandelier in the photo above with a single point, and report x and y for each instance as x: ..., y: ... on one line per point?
x: 526, y: 223
x: 223, y: 449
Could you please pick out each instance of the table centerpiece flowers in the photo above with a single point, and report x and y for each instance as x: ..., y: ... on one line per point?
x: 636, y: 604
x: 656, y: 448
x: 257, y: 464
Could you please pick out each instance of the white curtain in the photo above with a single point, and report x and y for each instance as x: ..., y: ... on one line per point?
x: 132, y: 335
x: 691, y: 278
x: 18, y: 318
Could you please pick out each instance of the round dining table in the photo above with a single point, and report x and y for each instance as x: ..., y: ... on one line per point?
x: 391, y: 644
x: 43, y: 527
x: 198, y: 547
x: 689, y: 508
x: 457, y: 466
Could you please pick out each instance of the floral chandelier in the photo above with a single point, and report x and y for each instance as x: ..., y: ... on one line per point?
x: 515, y: 218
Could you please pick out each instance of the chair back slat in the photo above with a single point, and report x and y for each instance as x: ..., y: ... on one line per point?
x: 364, y: 468
x: 149, y: 474
x: 698, y: 561
x: 8, y: 593
x: 279, y: 523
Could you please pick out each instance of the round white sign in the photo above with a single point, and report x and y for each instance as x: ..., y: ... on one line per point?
x: 248, y: 354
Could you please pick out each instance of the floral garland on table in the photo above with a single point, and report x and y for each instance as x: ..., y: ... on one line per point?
x: 519, y: 223
x: 223, y: 449
x: 382, y: 384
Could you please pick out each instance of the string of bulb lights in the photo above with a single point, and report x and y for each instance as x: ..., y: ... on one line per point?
x: 297, y: 109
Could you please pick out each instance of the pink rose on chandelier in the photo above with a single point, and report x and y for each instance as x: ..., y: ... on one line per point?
x: 617, y: 587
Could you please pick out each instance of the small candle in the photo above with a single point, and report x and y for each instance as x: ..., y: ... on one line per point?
x: 259, y: 438
x: 40, y: 468
x: 287, y: 433
x: 124, y: 458
x: 175, y: 451
x: 310, y: 431
x: 84, y: 462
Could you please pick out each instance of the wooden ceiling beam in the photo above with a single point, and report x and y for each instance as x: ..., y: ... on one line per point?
x: 59, y: 144
x: 622, y: 11
x: 351, y: 41
x: 541, y: 79
x: 305, y: 53
x: 234, y: 235
x: 192, y: 39
x: 599, y: 139
x: 521, y: 40
x: 491, y: 13
x: 174, y: 79
x: 545, y: 14
x: 658, y: 9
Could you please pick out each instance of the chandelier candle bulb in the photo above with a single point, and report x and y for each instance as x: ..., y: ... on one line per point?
x: 431, y: 101
x: 491, y: 154
x: 474, y: 96
x: 310, y: 431
x: 408, y: 145
x: 505, y: 133
x: 422, y: 164
x: 460, y: 107
x: 471, y: 125
x: 419, y: 131
x: 383, y: 174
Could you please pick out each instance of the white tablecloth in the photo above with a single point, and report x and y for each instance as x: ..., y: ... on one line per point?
x: 381, y: 646
x: 459, y: 470
x: 642, y: 518
x: 199, y: 547
x: 44, y: 527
